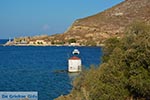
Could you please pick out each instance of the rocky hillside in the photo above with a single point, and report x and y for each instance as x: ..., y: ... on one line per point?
x: 95, y: 29
x: 112, y: 22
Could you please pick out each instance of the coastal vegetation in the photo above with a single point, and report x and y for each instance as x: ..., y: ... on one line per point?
x: 125, y: 70
x: 124, y: 73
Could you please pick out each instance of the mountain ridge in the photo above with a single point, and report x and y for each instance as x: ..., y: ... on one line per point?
x: 110, y: 22
x: 95, y: 29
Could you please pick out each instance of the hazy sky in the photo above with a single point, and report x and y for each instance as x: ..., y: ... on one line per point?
x: 35, y: 17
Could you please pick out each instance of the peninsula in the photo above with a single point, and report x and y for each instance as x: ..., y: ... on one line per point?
x: 41, y: 40
x: 94, y: 30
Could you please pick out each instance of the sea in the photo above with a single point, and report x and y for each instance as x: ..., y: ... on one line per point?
x: 41, y: 68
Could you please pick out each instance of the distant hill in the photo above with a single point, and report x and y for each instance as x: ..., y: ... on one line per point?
x: 112, y: 22
x: 95, y: 29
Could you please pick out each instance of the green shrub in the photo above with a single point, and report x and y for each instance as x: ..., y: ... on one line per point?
x: 72, y: 40
x: 124, y: 73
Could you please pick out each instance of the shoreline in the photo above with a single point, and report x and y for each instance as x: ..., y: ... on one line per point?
x: 69, y: 45
x: 46, y: 46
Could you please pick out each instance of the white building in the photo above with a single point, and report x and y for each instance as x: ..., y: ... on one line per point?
x: 74, y: 44
x: 31, y: 42
x: 74, y: 64
x: 40, y: 42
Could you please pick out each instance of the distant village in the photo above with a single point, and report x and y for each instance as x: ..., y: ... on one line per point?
x: 40, y: 41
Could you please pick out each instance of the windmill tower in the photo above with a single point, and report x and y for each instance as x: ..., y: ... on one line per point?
x: 74, y: 63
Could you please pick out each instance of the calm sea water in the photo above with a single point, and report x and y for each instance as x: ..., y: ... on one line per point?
x: 3, y: 41
x: 33, y: 69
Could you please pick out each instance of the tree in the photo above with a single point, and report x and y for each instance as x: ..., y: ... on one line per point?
x: 124, y: 73
x: 72, y: 40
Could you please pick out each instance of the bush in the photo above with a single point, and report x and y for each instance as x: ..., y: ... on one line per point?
x: 124, y: 73
x: 72, y: 40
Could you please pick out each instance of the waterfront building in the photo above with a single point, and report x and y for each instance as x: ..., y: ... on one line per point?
x: 74, y: 64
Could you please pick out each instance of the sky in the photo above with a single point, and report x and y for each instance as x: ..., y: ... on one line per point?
x: 36, y: 17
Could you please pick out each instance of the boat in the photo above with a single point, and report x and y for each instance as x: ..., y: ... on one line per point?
x: 75, y: 51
